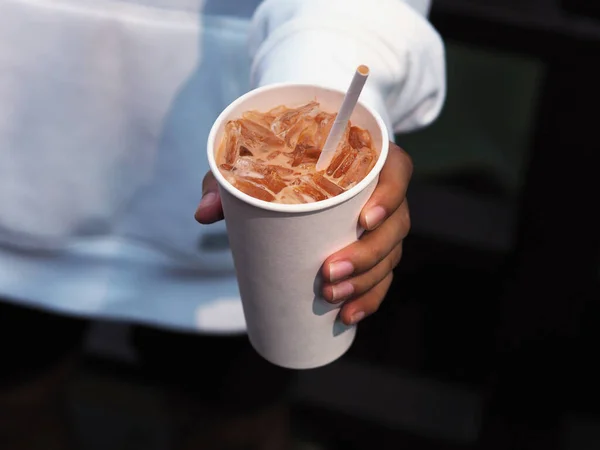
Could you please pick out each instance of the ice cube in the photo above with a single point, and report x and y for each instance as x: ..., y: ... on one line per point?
x: 277, y: 111
x: 232, y: 135
x: 305, y: 155
x: 253, y: 189
x: 245, y: 152
x: 350, y: 156
x: 265, y: 175
x: 359, y: 168
x: 325, y: 122
x: 281, y: 171
x: 309, y: 193
x: 258, y: 138
x: 336, y: 161
x: 359, y: 138
x: 249, y: 168
x: 341, y: 152
x: 313, y: 189
x: 303, y: 132
x: 274, y: 182
x: 326, y: 185
x: 273, y: 155
x: 288, y: 118
x: 264, y: 120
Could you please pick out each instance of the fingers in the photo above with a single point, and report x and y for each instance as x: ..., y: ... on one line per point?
x: 391, y: 188
x: 357, y: 286
x: 210, y: 209
x: 369, y: 250
x: 363, y: 306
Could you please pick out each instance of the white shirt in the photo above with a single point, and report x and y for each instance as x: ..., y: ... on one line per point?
x: 105, y: 106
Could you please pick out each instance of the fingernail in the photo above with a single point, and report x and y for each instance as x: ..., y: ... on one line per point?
x: 357, y: 317
x: 339, y: 270
x: 208, y: 200
x: 374, y: 217
x: 342, y: 290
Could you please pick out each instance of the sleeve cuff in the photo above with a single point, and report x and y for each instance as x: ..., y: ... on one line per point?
x: 283, y: 63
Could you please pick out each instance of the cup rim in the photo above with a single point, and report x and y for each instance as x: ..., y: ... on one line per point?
x: 303, y: 207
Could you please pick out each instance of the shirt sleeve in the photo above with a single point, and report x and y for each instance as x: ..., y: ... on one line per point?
x: 322, y: 42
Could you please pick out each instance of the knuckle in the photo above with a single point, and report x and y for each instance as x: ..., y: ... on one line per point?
x: 373, y: 254
x: 401, y: 223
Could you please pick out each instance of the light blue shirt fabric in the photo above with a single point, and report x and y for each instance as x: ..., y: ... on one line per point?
x: 105, y: 108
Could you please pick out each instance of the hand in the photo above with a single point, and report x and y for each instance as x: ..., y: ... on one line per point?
x: 210, y: 209
x: 361, y: 274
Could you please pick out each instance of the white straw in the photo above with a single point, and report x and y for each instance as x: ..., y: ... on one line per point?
x: 341, y: 121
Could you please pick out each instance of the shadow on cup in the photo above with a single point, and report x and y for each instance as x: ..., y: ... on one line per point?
x: 321, y: 307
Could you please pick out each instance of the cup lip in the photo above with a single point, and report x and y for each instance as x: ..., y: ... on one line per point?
x: 303, y: 207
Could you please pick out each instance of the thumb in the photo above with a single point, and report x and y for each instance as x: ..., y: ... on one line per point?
x: 210, y: 209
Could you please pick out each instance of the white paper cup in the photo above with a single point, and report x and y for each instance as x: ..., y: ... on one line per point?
x: 278, y: 249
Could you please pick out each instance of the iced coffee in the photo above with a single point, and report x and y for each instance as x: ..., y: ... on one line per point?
x: 272, y: 155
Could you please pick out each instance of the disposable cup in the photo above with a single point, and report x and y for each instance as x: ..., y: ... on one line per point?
x: 279, y: 249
